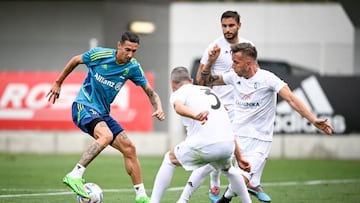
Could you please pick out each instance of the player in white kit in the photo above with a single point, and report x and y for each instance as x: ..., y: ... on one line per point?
x: 230, y: 23
x: 255, y: 92
x: 209, y: 140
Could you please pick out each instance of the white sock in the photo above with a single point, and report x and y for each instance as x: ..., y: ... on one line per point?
x: 195, y: 180
x: 163, y: 179
x: 237, y: 185
x: 78, y: 171
x: 140, y: 190
x: 215, y: 178
x: 229, y: 193
x: 255, y: 178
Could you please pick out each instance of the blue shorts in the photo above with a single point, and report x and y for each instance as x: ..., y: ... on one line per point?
x: 86, y: 118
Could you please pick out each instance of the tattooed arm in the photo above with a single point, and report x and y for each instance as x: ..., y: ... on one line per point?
x: 208, y: 79
x: 204, y: 76
x: 155, y: 102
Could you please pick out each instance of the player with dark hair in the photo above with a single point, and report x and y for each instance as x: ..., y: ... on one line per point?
x: 108, y: 70
x: 230, y: 25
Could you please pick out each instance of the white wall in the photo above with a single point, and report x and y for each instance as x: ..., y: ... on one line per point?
x: 73, y: 142
x: 318, y: 36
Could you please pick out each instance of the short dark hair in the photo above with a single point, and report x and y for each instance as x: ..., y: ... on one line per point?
x: 231, y: 14
x: 246, y: 48
x: 180, y: 74
x: 129, y: 36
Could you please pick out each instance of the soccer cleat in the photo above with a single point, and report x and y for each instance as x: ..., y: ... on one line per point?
x: 142, y: 200
x: 214, y: 194
x: 77, y: 185
x: 223, y: 200
x: 259, y: 193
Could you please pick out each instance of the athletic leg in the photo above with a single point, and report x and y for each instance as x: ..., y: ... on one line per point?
x: 254, y: 186
x: 237, y: 184
x: 132, y: 163
x: 103, y: 137
x: 214, y: 193
x: 195, y: 180
x: 163, y: 178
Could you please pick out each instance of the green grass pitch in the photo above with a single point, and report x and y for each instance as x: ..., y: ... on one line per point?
x: 37, y: 178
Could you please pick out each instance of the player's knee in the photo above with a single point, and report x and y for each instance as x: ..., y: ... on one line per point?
x: 104, y: 137
x: 129, y: 150
x: 170, y: 159
x: 108, y: 138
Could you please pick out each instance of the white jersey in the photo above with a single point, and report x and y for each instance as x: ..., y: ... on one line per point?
x: 222, y: 64
x: 255, y: 103
x: 199, y: 98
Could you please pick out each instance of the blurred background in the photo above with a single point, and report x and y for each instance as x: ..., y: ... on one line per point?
x: 312, y: 45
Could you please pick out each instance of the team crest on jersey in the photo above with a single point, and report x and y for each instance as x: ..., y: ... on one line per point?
x: 126, y: 71
x: 118, y: 86
x: 104, y: 66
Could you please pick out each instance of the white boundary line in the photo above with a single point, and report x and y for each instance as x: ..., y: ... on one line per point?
x: 62, y: 192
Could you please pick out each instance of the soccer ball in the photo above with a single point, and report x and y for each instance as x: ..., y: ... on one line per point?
x: 95, y: 192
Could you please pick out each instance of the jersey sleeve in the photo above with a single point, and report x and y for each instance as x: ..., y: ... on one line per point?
x: 93, y: 56
x: 86, y: 57
x: 138, y: 76
x: 275, y: 82
x: 178, y: 95
x: 228, y: 77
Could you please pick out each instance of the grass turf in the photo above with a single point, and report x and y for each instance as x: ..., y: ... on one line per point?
x: 37, y: 178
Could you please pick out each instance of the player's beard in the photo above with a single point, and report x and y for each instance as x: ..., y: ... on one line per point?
x: 230, y: 36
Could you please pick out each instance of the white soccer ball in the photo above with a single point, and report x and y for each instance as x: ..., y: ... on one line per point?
x: 95, y: 192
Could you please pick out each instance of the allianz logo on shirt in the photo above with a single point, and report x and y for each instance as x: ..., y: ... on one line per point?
x: 102, y: 80
x: 312, y: 95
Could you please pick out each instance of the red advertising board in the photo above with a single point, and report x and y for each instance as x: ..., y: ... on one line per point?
x: 24, y: 106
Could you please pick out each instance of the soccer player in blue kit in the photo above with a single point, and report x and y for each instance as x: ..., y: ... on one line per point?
x: 108, y: 70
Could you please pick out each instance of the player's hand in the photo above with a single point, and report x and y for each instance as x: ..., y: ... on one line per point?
x: 214, y: 53
x: 324, y: 126
x: 202, y: 116
x: 244, y: 165
x: 54, y: 93
x: 159, y: 114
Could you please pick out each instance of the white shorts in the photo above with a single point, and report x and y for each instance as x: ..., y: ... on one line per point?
x: 255, y: 151
x: 218, y: 155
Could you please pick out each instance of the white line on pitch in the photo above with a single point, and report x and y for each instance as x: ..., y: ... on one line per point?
x: 61, y: 192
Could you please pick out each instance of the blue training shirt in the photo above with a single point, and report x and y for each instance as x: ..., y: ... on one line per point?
x: 106, y: 77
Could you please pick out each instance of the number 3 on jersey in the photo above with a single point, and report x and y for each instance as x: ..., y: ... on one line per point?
x: 207, y: 91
